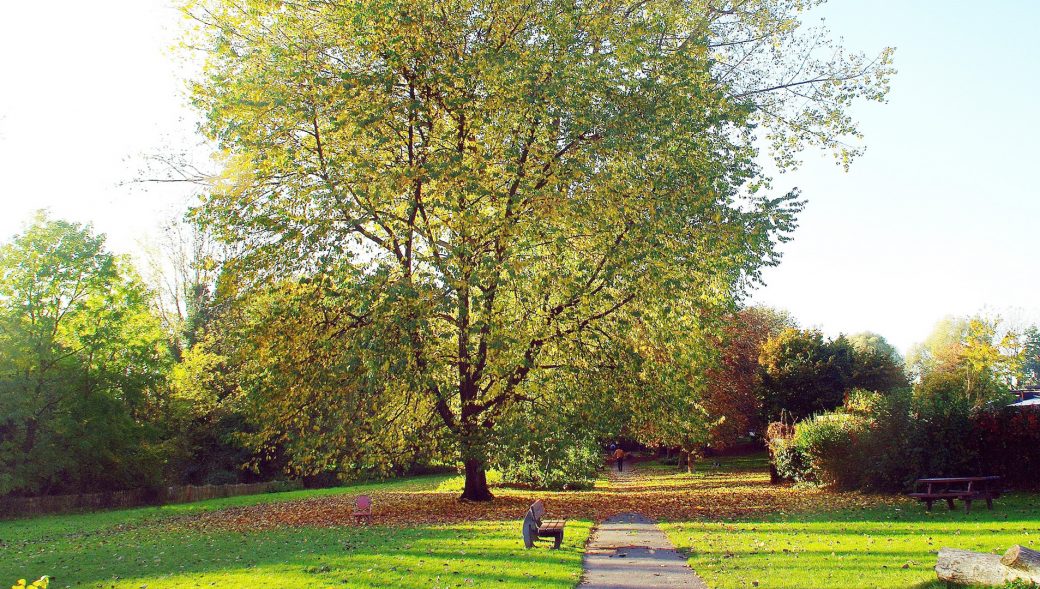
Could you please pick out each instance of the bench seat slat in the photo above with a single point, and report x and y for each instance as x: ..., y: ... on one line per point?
x: 952, y: 495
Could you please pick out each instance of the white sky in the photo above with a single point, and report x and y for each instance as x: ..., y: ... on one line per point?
x: 87, y: 89
x: 940, y: 217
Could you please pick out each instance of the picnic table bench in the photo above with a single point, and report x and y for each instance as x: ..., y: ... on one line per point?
x: 534, y: 527
x: 967, y: 489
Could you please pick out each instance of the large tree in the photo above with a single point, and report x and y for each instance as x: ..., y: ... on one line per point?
x: 804, y: 373
x: 499, y: 189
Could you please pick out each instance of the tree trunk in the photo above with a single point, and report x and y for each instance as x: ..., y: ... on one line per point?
x: 774, y: 474
x: 689, y: 462
x: 974, y: 568
x: 476, y: 488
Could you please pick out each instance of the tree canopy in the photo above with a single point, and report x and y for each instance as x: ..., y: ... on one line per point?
x: 805, y: 373
x: 497, y: 191
x: 974, y: 358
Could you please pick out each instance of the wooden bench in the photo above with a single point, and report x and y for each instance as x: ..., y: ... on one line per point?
x: 967, y: 489
x: 534, y: 527
x: 552, y: 528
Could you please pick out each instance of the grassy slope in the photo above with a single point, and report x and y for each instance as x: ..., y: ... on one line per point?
x: 131, y: 548
x: 890, y: 546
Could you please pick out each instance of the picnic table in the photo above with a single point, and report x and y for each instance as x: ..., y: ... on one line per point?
x: 967, y: 489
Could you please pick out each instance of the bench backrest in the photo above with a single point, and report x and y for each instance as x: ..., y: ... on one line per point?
x: 538, y: 509
x: 363, y: 503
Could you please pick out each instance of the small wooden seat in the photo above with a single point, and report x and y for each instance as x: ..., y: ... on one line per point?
x: 954, y: 495
x: 363, y: 509
x: 552, y: 528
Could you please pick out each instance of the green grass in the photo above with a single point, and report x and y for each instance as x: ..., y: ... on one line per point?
x: 812, y: 539
x: 888, y: 546
x: 148, y: 546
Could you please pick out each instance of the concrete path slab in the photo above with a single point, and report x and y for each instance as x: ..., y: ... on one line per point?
x: 631, y: 552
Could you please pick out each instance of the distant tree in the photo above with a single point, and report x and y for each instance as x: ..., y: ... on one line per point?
x: 1031, y: 356
x: 868, y: 342
x: 662, y: 393
x: 876, y: 364
x: 204, y: 422
x: 804, y: 373
x: 182, y: 264
x: 975, y: 357
x: 942, y: 348
x: 734, y: 395
x: 82, y: 364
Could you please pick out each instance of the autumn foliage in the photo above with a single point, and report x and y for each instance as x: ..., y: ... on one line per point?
x: 734, y: 391
x: 661, y: 493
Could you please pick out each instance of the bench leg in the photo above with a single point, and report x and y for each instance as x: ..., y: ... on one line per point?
x: 949, y: 502
x: 967, y: 506
x: 928, y: 504
x: 557, y: 540
x: 989, y: 503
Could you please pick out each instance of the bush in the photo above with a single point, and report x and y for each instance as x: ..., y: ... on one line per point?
x: 553, y: 466
x: 886, y: 442
x: 883, y: 445
x: 866, y: 444
x: 828, y: 443
x: 789, y: 461
x: 942, y: 441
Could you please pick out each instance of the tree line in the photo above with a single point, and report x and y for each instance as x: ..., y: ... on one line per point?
x: 101, y: 389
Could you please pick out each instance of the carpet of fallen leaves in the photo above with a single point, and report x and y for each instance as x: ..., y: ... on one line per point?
x: 660, y: 493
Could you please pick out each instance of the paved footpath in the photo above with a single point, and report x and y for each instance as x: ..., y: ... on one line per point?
x: 629, y: 551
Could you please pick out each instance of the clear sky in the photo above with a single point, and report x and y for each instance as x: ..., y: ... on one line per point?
x: 941, y: 216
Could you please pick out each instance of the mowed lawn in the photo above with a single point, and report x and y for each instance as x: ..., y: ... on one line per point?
x: 887, y: 545
x: 165, y: 547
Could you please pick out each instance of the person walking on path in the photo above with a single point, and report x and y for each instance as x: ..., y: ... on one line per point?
x: 619, y: 457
